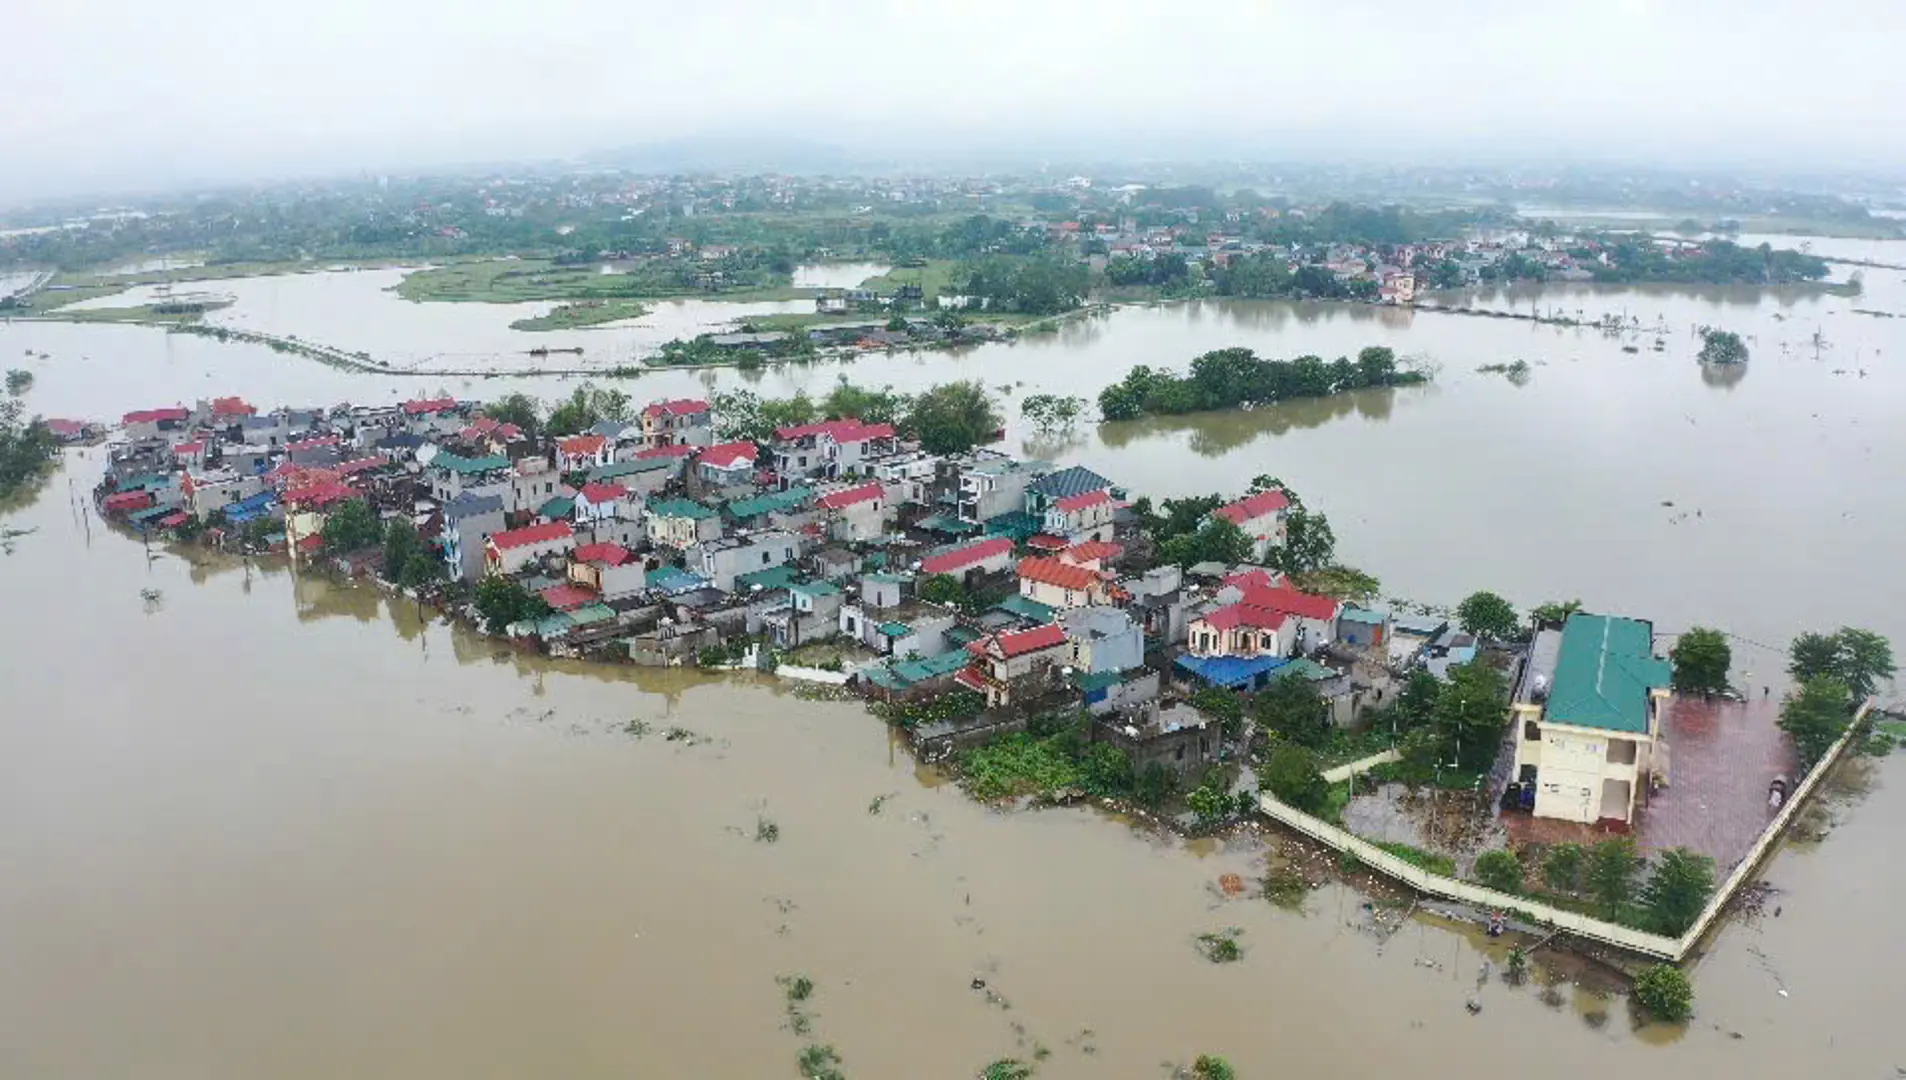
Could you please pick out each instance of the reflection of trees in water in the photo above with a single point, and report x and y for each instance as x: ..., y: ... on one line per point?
x: 1596, y: 299
x: 1214, y: 434
x: 321, y: 598
x: 1724, y: 376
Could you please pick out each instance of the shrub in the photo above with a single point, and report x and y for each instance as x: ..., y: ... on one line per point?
x: 1211, y: 1067
x: 1290, y: 773
x: 1678, y: 890
x: 1500, y: 870
x: 1563, y: 867
x: 1665, y: 992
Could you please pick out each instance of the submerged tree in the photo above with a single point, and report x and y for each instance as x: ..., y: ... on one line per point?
x: 1722, y: 347
x: 1487, y: 615
x: 1816, y: 716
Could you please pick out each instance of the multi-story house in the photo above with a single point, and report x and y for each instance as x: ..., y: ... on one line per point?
x: 829, y: 450
x: 1262, y: 517
x: 1014, y: 663
x: 681, y: 422
x: 469, y: 520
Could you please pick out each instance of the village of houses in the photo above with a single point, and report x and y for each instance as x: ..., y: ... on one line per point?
x: 652, y: 543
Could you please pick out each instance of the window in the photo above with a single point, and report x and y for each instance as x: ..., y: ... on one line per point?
x: 764, y: 558
x: 1531, y: 731
x: 1179, y: 753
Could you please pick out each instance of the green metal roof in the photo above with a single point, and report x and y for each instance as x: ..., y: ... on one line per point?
x: 961, y: 635
x: 1306, y: 668
x: 590, y: 614
x: 556, y: 625
x: 140, y: 517
x: 1363, y: 615
x: 947, y: 523
x: 560, y: 508
x: 618, y: 469
x: 1015, y: 523
x: 457, y: 463
x: 888, y: 579
x: 1604, y: 673
x: 1097, y: 680
x: 895, y: 629
x: 770, y: 502
x: 1026, y: 608
x: 687, y: 508
x: 928, y: 667
x: 816, y: 588
x: 774, y: 577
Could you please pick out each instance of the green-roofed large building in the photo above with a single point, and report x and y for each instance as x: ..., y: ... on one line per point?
x: 1588, y: 745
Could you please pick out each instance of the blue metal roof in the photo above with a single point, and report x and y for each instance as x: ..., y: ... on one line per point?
x: 1231, y: 672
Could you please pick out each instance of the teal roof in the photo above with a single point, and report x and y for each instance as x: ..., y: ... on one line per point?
x: 619, y: 469
x: 961, y: 635
x: 590, y: 614
x: 770, y: 502
x: 1306, y: 668
x: 1026, y: 608
x: 1015, y: 524
x: 457, y: 463
x: 1604, y: 673
x: 816, y: 588
x: 946, y: 663
x: 556, y: 625
x: 687, y: 508
x: 895, y: 629
x: 774, y: 577
x: 947, y: 523
x: 560, y: 508
x: 150, y: 513
x: 1097, y: 680
x: 1363, y: 615
x: 888, y: 579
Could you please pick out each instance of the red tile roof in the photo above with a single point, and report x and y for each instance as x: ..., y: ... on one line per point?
x: 315, y: 442
x: 600, y: 493
x: 532, y: 534
x: 67, y: 429
x: 851, y: 497
x: 1282, y: 597
x: 847, y: 430
x: 1046, y: 542
x: 674, y: 450
x: 430, y: 405
x: 567, y: 597
x: 1085, y: 500
x: 970, y: 679
x: 153, y: 416
x: 582, y: 445
x: 957, y: 559
x: 1236, y: 615
x: 321, y: 494
x: 1058, y: 573
x: 1093, y: 551
x: 612, y: 554
x: 677, y: 407
x: 231, y: 406
x: 1254, y: 506
x: 358, y: 465
x: 188, y: 448
x: 1011, y: 643
x: 729, y: 455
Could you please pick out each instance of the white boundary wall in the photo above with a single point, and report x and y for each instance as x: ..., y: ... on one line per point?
x: 1636, y: 941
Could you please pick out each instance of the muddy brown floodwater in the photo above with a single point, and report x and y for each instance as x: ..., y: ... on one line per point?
x: 265, y: 825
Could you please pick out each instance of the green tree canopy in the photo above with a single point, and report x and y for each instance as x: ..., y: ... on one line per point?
x: 1554, y: 613
x: 351, y: 527
x: 1218, y: 540
x: 1309, y: 544
x: 1487, y: 615
x: 517, y: 408
x: 1563, y: 867
x: 1292, y: 707
x: 1610, y: 874
x: 1701, y: 660
x: 1677, y: 890
x: 1859, y: 658
x: 1472, y: 712
x: 502, y: 601
x: 1665, y: 992
x: 1291, y: 774
x: 1816, y: 716
x: 953, y: 417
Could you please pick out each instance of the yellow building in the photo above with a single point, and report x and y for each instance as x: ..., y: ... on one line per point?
x: 1587, y: 749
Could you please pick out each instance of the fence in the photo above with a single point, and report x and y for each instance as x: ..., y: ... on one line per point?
x: 1344, y: 772
x: 1583, y: 926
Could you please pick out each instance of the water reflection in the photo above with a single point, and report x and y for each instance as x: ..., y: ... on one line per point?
x: 1722, y: 376
x: 1214, y: 434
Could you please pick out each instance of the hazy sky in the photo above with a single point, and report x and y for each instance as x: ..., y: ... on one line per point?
x: 113, y: 94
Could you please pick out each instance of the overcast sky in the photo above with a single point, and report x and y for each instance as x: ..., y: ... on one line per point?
x: 115, y: 94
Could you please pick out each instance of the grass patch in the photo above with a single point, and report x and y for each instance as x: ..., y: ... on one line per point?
x: 1018, y: 764
x: 1335, y: 802
x: 172, y: 312
x: 581, y: 314
x: 1417, y: 857
x: 820, y: 1063
x: 1286, y: 887
x: 511, y: 281
x: 1221, y: 948
x: 1346, y: 746
x: 934, y: 279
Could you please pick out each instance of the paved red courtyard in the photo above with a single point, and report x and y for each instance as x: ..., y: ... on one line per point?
x: 1721, y: 758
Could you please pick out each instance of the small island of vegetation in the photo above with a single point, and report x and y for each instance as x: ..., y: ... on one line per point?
x: 1230, y: 378
x: 1722, y: 347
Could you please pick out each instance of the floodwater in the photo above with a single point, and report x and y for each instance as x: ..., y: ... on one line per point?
x: 1639, y: 482
x: 840, y: 275
x: 266, y: 825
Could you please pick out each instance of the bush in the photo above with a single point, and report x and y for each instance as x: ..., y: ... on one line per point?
x: 1678, y: 890
x: 1665, y: 992
x: 1291, y: 775
x: 1211, y: 1067
x: 1563, y: 868
x: 1500, y: 870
